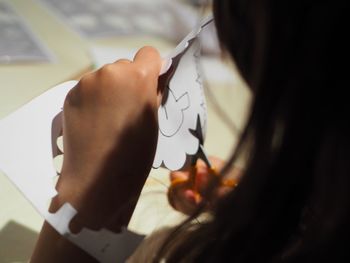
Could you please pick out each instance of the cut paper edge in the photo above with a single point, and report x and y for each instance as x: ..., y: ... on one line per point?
x: 103, y: 244
x: 184, y: 145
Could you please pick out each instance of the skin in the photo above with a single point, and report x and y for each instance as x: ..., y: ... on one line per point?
x: 109, y: 125
x: 184, y: 198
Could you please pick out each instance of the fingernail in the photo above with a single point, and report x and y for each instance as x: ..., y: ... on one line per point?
x: 166, y: 63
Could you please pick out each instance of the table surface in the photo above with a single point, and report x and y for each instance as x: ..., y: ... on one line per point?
x: 19, y: 83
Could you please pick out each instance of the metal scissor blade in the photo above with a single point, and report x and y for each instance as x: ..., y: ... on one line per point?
x: 202, y: 155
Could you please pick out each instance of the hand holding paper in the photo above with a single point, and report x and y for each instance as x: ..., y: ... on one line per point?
x: 110, y: 139
x: 108, y: 117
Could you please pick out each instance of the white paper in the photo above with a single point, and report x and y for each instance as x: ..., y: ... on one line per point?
x: 27, y: 148
x: 26, y: 157
x: 104, y: 245
x: 179, y: 115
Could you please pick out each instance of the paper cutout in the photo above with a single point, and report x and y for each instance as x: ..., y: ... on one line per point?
x: 29, y: 130
x: 104, y: 245
x: 35, y: 127
x: 171, y: 115
x: 25, y: 146
x: 178, y: 115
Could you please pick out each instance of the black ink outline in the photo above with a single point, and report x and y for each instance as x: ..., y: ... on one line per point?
x: 182, y: 111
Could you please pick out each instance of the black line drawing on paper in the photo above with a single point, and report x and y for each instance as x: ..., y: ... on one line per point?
x: 171, y: 114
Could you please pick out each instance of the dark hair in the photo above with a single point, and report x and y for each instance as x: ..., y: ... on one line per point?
x: 293, y: 202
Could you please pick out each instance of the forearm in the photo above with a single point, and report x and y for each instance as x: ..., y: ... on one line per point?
x: 52, y: 247
x: 96, y: 209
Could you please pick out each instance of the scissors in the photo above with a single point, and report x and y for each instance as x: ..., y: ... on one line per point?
x: 193, y: 176
x: 193, y: 179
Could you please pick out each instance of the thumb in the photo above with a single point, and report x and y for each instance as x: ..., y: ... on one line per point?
x: 148, y: 60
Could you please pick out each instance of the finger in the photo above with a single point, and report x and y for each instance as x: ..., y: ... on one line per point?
x: 148, y: 61
x: 217, y: 162
x: 176, y: 175
x: 182, y: 199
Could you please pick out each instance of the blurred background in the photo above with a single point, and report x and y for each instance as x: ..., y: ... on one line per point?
x: 46, y: 42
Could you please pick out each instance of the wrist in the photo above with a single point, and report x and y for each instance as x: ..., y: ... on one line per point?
x: 104, y: 203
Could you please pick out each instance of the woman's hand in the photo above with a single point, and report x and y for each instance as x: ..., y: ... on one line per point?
x: 188, y: 188
x: 110, y: 130
x: 110, y: 133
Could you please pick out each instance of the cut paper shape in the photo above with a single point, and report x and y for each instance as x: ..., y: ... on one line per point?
x: 26, y: 149
x: 178, y: 114
x: 171, y: 115
x: 35, y: 127
x: 104, y: 245
x: 30, y: 129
